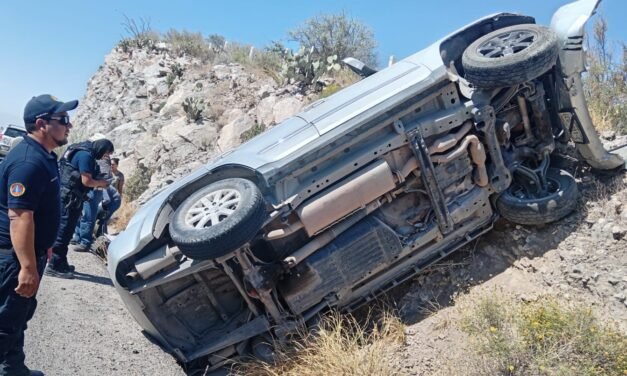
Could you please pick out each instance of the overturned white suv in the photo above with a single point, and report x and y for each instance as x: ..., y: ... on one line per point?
x: 363, y: 189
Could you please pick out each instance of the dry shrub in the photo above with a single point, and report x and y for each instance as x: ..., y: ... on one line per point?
x: 338, y: 81
x: 603, y: 189
x: 140, y: 35
x: 545, y: 337
x: 234, y: 52
x: 606, y: 82
x: 329, y: 90
x: 186, y: 43
x: 340, y: 346
x: 345, y: 77
x: 123, y: 215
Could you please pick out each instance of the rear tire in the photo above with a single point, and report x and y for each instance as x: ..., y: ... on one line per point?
x: 560, y: 201
x: 218, y: 219
x: 510, y: 56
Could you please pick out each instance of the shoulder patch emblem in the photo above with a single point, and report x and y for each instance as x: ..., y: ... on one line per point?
x: 17, y: 189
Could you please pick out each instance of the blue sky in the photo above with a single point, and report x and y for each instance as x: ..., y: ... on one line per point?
x: 56, y: 46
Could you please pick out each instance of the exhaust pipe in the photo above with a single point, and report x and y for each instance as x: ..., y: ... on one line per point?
x: 477, y: 154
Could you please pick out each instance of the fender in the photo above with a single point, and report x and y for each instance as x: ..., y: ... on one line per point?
x: 569, y: 24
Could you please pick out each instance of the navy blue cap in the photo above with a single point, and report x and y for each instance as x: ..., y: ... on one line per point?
x: 45, y: 105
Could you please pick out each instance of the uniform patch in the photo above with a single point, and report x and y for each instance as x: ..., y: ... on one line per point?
x: 17, y: 189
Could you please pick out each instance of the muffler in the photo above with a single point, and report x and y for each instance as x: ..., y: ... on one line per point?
x: 354, y: 193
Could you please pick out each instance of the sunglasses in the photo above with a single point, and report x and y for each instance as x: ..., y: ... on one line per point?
x: 63, y: 120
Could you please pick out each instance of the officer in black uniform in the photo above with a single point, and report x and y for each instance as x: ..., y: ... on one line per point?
x: 79, y: 175
x: 30, y: 211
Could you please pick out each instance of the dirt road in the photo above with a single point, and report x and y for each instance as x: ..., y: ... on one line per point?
x: 81, y: 327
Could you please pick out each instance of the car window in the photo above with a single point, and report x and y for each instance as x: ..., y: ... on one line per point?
x: 12, y: 132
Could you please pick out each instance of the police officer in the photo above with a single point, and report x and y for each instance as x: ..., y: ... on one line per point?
x: 30, y: 211
x: 79, y: 176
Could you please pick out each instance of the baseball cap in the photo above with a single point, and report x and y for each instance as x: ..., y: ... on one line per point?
x: 45, y: 105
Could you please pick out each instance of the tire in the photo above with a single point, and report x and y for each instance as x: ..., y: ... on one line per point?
x: 520, y: 64
x: 561, y: 201
x: 227, y: 224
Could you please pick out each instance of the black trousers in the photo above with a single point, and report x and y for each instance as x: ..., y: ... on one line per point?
x: 15, y: 312
x: 69, y: 219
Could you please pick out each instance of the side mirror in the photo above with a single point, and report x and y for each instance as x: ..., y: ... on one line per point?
x: 359, y: 67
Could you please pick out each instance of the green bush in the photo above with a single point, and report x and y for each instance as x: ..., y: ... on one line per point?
x: 252, y: 132
x: 177, y: 70
x: 306, y: 66
x: 194, y: 108
x: 216, y: 42
x: 138, y: 182
x: 170, y: 79
x: 330, y: 89
x: 337, y: 34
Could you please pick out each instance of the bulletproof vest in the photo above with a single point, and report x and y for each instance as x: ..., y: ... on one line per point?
x: 73, y: 192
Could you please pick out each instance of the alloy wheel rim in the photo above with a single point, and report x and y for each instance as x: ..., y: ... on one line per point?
x: 213, y: 208
x: 506, y: 44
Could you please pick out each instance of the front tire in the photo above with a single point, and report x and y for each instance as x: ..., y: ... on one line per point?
x: 560, y: 201
x: 510, y: 56
x: 218, y: 219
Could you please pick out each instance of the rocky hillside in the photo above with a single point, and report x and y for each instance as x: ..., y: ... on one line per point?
x: 579, y: 260
x: 168, y: 115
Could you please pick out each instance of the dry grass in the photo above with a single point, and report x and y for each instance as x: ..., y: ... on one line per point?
x: 345, y: 77
x: 601, y: 121
x: 340, y: 346
x: 604, y: 199
x: 546, y: 337
x: 602, y: 191
x: 123, y: 215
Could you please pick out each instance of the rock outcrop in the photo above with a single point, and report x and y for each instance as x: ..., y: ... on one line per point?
x: 137, y: 100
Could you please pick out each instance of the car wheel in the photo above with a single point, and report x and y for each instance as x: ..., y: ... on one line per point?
x: 510, y: 56
x: 218, y: 219
x: 560, y: 200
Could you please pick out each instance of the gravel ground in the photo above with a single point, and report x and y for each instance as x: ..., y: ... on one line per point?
x: 81, y: 327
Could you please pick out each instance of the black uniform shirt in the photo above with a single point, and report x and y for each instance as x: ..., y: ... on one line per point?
x: 29, y: 179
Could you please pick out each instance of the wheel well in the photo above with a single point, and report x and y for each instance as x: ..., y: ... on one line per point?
x: 222, y: 172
